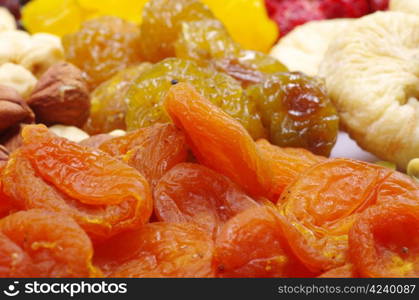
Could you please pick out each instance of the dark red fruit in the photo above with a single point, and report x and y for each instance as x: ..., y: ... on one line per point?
x: 13, y: 6
x: 344, y: 8
x: 378, y: 5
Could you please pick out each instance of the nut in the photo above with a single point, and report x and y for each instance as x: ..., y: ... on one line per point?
x: 13, y: 109
x: 61, y: 96
x: 71, y: 133
x: 17, y: 77
x: 4, y: 154
x: 7, y: 21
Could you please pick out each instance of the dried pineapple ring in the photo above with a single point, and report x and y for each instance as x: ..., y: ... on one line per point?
x: 7, y: 21
x: 406, y: 6
x: 372, y: 75
x: 304, y: 47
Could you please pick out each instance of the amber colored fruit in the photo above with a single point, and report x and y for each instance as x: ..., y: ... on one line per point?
x: 286, y: 164
x: 208, y: 43
x: 399, y: 187
x: 102, y: 47
x: 346, y: 271
x: 321, y: 206
x: 41, y: 243
x: 6, y: 205
x: 158, y: 250
x: 160, y: 148
x: 109, y: 102
x: 104, y: 195
x: 161, y: 24
x: 252, y: 244
x: 217, y: 140
x: 384, y: 241
x: 193, y: 193
x: 147, y: 94
x: 296, y: 112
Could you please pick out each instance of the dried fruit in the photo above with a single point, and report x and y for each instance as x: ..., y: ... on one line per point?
x: 103, y: 195
x: 346, y: 271
x: 61, y: 96
x: 297, y: 112
x: 158, y: 250
x: 193, y: 193
x: 102, y: 47
x: 147, y: 94
x: 252, y: 244
x: 217, y: 140
x: 384, y: 241
x: 41, y: 243
x: 109, y: 101
x: 161, y: 25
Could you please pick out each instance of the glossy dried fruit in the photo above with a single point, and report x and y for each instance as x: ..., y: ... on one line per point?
x: 102, y: 47
x: 252, y: 244
x: 41, y: 243
x: 147, y: 94
x: 193, y: 193
x: 158, y: 250
x: 346, y: 271
x: 384, y: 241
x: 109, y: 102
x: 162, y: 21
x: 217, y: 140
x: 104, y: 195
x: 321, y: 206
x: 297, y: 112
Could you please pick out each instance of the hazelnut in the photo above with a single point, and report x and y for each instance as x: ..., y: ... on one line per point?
x: 4, y: 154
x: 61, y: 96
x: 13, y: 109
x: 12, y: 138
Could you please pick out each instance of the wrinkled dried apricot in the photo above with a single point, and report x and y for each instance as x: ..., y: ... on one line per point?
x: 41, y: 243
x: 296, y: 112
x: 6, y: 205
x: 346, y: 271
x: 158, y: 250
x: 147, y: 94
x: 384, y: 241
x: 161, y: 24
x: 104, y: 195
x: 193, y: 193
x: 102, y: 47
x: 321, y: 206
x: 109, y: 103
x: 252, y: 244
x: 217, y: 140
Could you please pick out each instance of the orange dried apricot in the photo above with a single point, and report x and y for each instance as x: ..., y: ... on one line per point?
x: 252, y: 244
x: 346, y: 271
x: 41, y: 243
x: 193, y: 193
x: 158, y: 250
x: 104, y: 195
x: 384, y: 241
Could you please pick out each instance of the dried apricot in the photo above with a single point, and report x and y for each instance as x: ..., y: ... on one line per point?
x: 217, y: 140
x: 321, y: 206
x: 252, y: 244
x: 41, y: 243
x: 109, y: 103
x: 193, y: 193
x: 6, y: 205
x: 147, y: 94
x: 384, y: 241
x: 102, y: 47
x: 296, y: 112
x: 161, y: 24
x: 346, y: 271
x: 104, y: 195
x: 158, y: 250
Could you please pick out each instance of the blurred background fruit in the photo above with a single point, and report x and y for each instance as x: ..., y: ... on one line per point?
x: 13, y: 6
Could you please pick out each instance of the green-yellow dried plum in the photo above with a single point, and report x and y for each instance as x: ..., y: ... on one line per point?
x: 109, y: 102
x: 162, y: 20
x: 102, y: 47
x: 296, y: 112
x: 147, y: 94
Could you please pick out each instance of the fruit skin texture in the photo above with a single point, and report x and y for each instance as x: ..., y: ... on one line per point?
x: 147, y: 94
x: 193, y: 193
x: 217, y: 140
x: 109, y: 103
x: 252, y: 244
x: 384, y: 241
x: 102, y: 47
x: 41, y: 243
x: 247, y: 22
x: 297, y: 112
x: 103, y: 195
x: 158, y: 250
x: 321, y: 206
x: 162, y: 21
